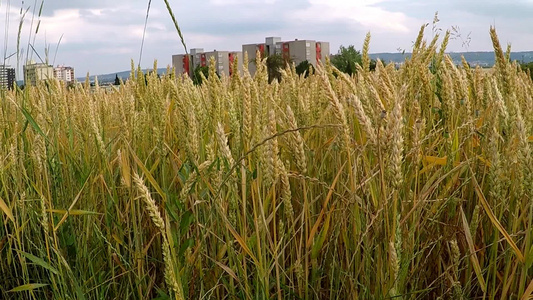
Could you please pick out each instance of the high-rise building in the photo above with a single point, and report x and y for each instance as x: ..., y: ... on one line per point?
x: 223, y: 61
x: 186, y: 64
x: 7, y: 77
x: 198, y: 58
x: 295, y: 51
x: 35, y: 72
x: 63, y: 73
x: 271, y: 46
x: 182, y: 64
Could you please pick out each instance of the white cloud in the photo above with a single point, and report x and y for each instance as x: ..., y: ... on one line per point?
x: 357, y: 14
x: 76, y: 26
x: 102, y: 36
x: 111, y: 50
x: 241, y: 2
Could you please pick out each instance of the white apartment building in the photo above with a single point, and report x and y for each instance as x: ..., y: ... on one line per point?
x: 63, y: 73
x: 34, y: 72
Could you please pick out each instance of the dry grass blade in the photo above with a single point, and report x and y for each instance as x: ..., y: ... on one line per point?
x: 322, y: 235
x: 7, y: 210
x: 225, y: 268
x: 528, y: 292
x: 473, y: 256
x: 72, y: 204
x: 495, y: 221
x: 324, y: 206
x: 241, y: 242
x: 125, y: 169
x: 148, y: 175
x: 441, y: 161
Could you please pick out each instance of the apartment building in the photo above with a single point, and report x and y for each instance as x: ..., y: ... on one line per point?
x: 35, y: 72
x: 296, y: 51
x: 7, y: 77
x: 301, y: 50
x: 63, y: 73
x: 182, y: 64
x: 271, y: 46
x: 198, y: 58
x: 186, y: 64
x: 223, y: 61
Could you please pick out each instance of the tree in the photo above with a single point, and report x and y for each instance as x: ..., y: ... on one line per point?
x: 275, y: 63
x: 346, y: 59
x: 117, y: 81
x: 305, y: 68
x: 528, y: 68
x: 373, y: 63
x: 197, y: 77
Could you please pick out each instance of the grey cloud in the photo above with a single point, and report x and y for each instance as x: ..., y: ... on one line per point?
x: 50, y: 6
x: 513, y: 10
x: 229, y: 26
x: 493, y: 9
x: 111, y: 17
x: 232, y: 27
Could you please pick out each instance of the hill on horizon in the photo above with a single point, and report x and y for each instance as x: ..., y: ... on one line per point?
x: 110, y: 77
x: 475, y: 58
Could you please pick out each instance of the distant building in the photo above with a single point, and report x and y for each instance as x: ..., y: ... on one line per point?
x: 186, y: 64
x: 63, y: 73
x: 198, y: 58
x: 271, y: 46
x: 223, y: 61
x: 35, y: 72
x: 182, y: 64
x: 7, y: 77
x: 297, y: 51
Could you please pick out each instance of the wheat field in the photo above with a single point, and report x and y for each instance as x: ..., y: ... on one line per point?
x: 408, y: 183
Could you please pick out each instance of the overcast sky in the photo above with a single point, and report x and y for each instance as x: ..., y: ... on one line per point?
x: 102, y: 36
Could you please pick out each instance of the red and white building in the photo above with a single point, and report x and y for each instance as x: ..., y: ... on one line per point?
x: 186, y: 64
x: 296, y: 51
